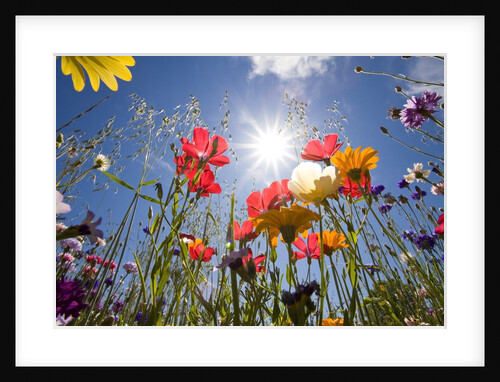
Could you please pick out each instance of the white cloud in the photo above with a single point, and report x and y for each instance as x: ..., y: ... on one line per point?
x: 429, y: 70
x: 289, y: 67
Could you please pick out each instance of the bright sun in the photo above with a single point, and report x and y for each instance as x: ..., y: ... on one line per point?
x: 269, y: 151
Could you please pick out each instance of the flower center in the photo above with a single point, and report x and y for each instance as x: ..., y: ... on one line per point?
x: 354, y: 174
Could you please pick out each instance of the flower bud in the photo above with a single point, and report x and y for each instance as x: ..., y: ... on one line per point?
x: 384, y: 130
x: 150, y: 213
x: 358, y: 69
x: 398, y: 89
x: 59, y: 140
x: 159, y: 190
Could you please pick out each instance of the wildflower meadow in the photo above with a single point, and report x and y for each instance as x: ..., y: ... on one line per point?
x: 330, y: 244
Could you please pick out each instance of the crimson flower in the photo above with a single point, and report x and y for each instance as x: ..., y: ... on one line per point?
x: 351, y: 188
x: 283, y: 194
x: 317, y: 151
x: 255, y: 260
x: 311, y: 250
x: 243, y: 263
x: 203, y: 148
x: 244, y: 232
x: 440, y: 227
x: 205, y: 184
x: 199, y: 251
x: 188, y: 166
x: 271, y: 198
x: 258, y: 203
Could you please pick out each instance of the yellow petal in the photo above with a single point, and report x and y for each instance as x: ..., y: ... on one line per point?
x: 69, y: 65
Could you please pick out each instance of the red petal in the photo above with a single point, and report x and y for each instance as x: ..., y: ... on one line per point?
x: 221, y: 145
x: 312, y: 242
x: 219, y: 160
x: 270, y: 195
x: 254, y: 204
x: 213, y: 189
x: 299, y: 255
x: 259, y: 259
x: 237, y: 230
x: 299, y: 243
x: 313, y: 151
x: 191, y: 150
x: 331, y: 145
x: 247, y: 228
x: 200, y: 140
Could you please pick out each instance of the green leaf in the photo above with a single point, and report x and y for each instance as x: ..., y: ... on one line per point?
x: 154, y: 224
x: 149, y: 182
x: 119, y: 181
x: 148, y: 198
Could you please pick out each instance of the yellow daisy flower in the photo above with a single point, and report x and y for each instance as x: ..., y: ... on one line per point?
x: 354, y: 163
x: 333, y: 241
x: 288, y: 221
x: 98, y: 68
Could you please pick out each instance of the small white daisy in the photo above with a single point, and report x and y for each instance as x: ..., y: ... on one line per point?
x: 101, y: 162
x: 417, y: 173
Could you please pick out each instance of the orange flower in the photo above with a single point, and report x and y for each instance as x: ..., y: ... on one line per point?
x: 333, y: 241
x: 353, y: 164
x: 287, y: 221
x: 332, y: 322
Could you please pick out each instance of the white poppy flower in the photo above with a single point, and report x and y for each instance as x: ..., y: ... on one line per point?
x: 309, y: 183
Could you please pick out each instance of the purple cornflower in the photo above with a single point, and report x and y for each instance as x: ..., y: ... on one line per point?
x: 418, y: 194
x: 118, y: 306
x: 138, y: 317
x: 71, y: 243
x: 424, y: 241
x: 109, y: 281
x: 419, y: 109
x: 146, y: 230
x: 403, y: 183
x: 409, y: 234
x: 130, y: 267
x: 385, y: 208
x: 377, y: 189
x: 69, y: 298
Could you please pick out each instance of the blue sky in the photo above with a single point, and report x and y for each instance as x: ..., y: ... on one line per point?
x: 256, y: 86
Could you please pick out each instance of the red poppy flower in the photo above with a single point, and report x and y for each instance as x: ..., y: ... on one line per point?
x: 188, y: 166
x: 205, y: 185
x: 311, y: 250
x: 244, y: 232
x: 200, y: 251
x: 203, y: 148
x: 351, y: 188
x: 256, y: 260
x: 270, y: 198
x: 283, y: 194
x: 316, y: 151
x: 440, y: 227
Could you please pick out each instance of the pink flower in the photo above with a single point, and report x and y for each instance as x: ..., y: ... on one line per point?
x: 316, y: 151
x: 440, y: 227
x: 205, y: 185
x: 245, y: 232
x: 66, y: 257
x: 202, y: 148
x: 311, y: 250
